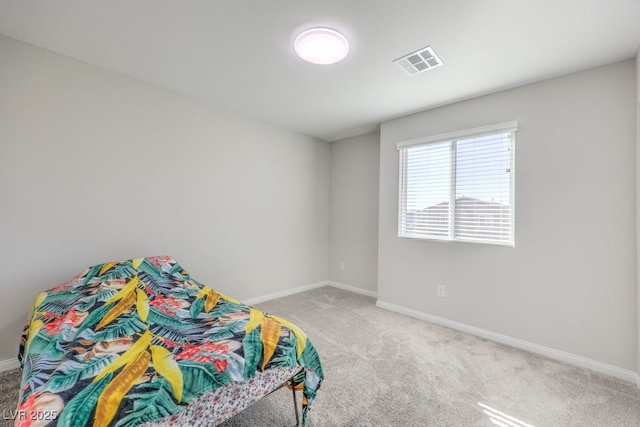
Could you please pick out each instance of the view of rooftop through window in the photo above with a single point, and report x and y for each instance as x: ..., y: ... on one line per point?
x: 459, y: 189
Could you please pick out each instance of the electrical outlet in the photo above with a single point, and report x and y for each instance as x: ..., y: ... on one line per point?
x: 341, y: 265
x: 441, y: 291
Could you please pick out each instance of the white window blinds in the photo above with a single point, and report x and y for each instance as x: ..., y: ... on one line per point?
x: 459, y: 186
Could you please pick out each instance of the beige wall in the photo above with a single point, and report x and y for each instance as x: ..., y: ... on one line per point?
x: 570, y: 282
x: 95, y: 166
x: 354, y: 212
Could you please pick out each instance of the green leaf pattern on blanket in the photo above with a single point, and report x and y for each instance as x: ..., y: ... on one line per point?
x: 78, y: 411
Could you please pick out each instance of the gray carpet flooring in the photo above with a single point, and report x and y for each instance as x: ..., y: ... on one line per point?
x: 385, y: 369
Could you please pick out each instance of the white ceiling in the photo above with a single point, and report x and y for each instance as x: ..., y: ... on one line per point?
x: 238, y: 54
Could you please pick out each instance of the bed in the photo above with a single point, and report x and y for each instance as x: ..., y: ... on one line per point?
x: 140, y: 342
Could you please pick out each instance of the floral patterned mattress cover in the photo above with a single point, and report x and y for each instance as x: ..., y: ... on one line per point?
x: 140, y: 341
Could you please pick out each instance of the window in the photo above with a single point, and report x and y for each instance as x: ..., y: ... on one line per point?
x: 459, y: 186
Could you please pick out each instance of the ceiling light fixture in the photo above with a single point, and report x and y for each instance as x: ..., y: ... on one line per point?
x: 321, y: 46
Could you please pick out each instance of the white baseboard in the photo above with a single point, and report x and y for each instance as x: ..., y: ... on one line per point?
x: 562, y: 356
x: 285, y: 293
x: 9, y: 364
x: 292, y: 291
x: 353, y: 289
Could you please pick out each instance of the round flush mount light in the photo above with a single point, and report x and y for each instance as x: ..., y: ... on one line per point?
x: 321, y: 46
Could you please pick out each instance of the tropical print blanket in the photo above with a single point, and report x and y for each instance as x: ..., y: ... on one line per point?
x: 128, y: 342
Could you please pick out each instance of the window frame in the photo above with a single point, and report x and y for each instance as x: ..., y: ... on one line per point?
x: 452, y: 138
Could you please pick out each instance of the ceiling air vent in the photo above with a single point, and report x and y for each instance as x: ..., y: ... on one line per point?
x: 419, y: 61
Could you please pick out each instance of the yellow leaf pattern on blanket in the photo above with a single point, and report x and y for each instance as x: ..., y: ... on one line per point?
x: 106, y: 267
x: 39, y: 299
x: 301, y: 337
x: 255, y: 319
x: 142, y: 304
x: 126, y: 290
x: 164, y: 364
x: 135, y: 263
x: 35, y: 327
x: 204, y: 291
x: 123, y: 305
x: 119, y: 386
x: 211, y: 301
x: 128, y: 355
x: 270, y: 335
